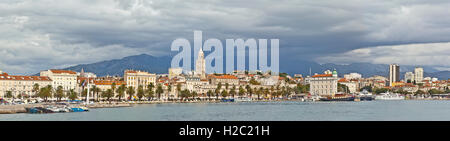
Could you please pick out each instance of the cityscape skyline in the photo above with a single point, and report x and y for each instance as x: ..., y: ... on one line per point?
x: 47, y: 34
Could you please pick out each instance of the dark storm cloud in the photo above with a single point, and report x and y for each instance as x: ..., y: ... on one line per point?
x: 55, y: 33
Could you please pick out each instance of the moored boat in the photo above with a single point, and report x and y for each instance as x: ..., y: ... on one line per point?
x: 389, y: 96
x: 338, y: 97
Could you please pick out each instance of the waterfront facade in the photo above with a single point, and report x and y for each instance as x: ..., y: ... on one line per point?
x: 65, y: 78
x: 21, y: 85
x: 323, y: 84
x: 139, y: 78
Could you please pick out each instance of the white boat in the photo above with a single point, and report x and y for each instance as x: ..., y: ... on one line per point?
x: 389, y: 96
x: 365, y: 96
x: 243, y: 99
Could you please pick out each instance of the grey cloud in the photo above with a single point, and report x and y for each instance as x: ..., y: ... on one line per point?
x: 310, y: 29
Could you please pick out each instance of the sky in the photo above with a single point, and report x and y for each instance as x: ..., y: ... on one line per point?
x: 43, y: 34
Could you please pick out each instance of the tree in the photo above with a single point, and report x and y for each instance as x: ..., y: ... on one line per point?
x: 420, y: 92
x: 367, y: 88
x: 209, y: 93
x: 241, y: 91
x: 113, y: 88
x: 9, y: 94
x: 380, y: 90
x: 130, y: 91
x: 150, y: 93
x: 194, y: 94
x: 249, y: 90
x: 121, y: 91
x: 159, y: 91
x: 266, y: 92
x: 72, y: 95
x: 224, y: 93
x: 59, y: 93
x: 169, y: 89
x: 178, y: 88
x: 108, y: 94
x: 35, y: 89
x: 233, y: 91
x: 140, y: 92
x: 46, y: 92
x: 435, y: 91
x: 217, y: 91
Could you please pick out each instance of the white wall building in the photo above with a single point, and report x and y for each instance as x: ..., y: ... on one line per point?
x: 21, y: 84
x: 351, y: 76
x: 418, y: 74
x: 323, y: 84
x: 65, y: 78
x: 139, y: 78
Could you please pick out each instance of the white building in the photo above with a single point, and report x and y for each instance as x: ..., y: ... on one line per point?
x: 351, y: 76
x: 200, y: 69
x: 418, y: 74
x: 173, y: 72
x: 352, y: 85
x: 409, y: 76
x: 139, y: 78
x: 21, y: 84
x: 65, y: 78
x: 394, y: 74
x: 323, y: 84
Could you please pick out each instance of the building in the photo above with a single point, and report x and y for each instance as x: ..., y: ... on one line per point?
x: 22, y: 85
x: 223, y: 79
x: 104, y: 85
x: 352, y: 76
x: 352, y: 85
x: 65, y: 78
x: 173, y: 72
x: 418, y: 74
x: 200, y: 69
x: 323, y: 84
x: 139, y: 78
x: 409, y: 77
x: 394, y: 73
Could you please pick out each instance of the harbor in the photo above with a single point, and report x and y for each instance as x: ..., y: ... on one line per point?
x: 379, y: 110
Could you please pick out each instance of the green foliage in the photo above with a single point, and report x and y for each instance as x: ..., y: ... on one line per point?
x: 368, y: 88
x: 380, y: 90
x: 72, y: 95
x: 254, y: 82
x: 140, y: 92
x: 9, y: 94
x: 435, y: 91
x: 59, y: 93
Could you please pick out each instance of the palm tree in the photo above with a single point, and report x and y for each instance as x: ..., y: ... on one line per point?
x: 209, y: 93
x: 113, y: 88
x: 178, y: 89
x: 130, y: 92
x: 266, y: 91
x: 9, y: 94
x: 227, y: 85
x: 150, y: 93
x: 233, y: 91
x: 224, y: 93
x: 159, y: 91
x: 194, y: 94
x: 169, y: 89
x: 59, y: 93
x: 241, y: 91
x: 72, y: 95
x: 35, y: 89
x: 121, y: 91
x: 249, y: 90
x: 258, y: 91
x: 217, y: 91
x: 140, y: 92
x: 108, y: 94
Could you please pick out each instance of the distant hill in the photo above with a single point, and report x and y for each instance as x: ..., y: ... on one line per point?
x: 161, y: 65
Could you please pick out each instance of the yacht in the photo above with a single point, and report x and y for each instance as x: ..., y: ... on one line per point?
x: 243, y: 99
x: 389, y: 96
x: 366, y: 96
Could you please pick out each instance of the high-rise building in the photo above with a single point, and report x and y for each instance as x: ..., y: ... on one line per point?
x: 200, y: 65
x: 418, y: 74
x: 409, y: 77
x: 394, y: 73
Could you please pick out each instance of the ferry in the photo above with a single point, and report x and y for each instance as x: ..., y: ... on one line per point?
x: 365, y: 96
x: 338, y: 97
x: 389, y: 96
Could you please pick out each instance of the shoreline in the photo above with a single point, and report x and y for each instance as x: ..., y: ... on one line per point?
x: 17, y: 109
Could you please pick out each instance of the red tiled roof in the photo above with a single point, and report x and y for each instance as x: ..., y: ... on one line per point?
x: 63, y: 71
x: 342, y: 80
x: 323, y: 75
x: 24, y: 78
x: 108, y: 82
x: 224, y: 77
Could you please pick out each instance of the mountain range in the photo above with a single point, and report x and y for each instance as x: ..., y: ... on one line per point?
x: 161, y: 64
